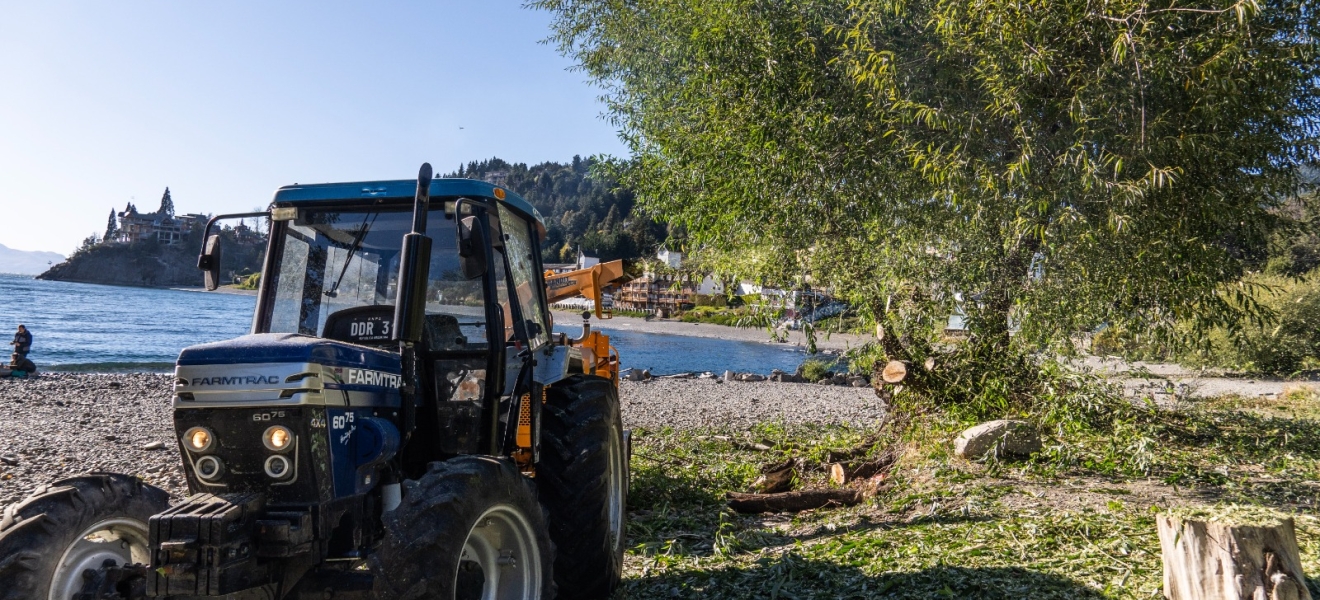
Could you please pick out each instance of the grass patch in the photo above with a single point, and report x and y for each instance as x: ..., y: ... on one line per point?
x: 1075, y: 521
x: 1300, y: 401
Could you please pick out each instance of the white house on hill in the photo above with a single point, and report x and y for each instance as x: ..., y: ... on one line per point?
x: 671, y: 259
x: 587, y: 258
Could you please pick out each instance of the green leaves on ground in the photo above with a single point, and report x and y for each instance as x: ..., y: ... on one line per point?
x: 948, y: 528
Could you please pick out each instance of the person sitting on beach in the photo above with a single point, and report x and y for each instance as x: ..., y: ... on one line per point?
x: 22, y: 344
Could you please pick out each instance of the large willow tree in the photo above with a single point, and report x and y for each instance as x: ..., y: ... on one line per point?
x: 1056, y: 164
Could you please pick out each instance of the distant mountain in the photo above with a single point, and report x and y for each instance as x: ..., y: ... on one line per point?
x: 24, y: 262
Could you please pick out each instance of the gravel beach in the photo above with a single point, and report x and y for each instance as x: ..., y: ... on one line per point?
x: 835, y: 342
x: 64, y: 424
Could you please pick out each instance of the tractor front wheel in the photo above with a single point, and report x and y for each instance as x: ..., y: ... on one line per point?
x: 583, y: 481
x: 49, y: 540
x: 469, y: 528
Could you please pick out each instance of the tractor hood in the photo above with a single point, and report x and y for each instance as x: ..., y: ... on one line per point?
x: 287, y: 348
x: 285, y: 369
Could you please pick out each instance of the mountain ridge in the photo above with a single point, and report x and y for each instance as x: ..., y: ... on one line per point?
x: 26, y: 262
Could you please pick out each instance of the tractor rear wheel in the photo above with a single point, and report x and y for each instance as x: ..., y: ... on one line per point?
x: 582, y: 477
x: 48, y: 540
x: 469, y: 528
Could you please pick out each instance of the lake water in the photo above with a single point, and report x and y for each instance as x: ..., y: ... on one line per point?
x: 98, y: 328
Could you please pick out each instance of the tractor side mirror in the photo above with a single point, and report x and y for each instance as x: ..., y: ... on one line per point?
x: 472, y: 247
x: 209, y: 261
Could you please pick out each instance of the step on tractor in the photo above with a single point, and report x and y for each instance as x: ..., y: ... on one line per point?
x: 402, y: 423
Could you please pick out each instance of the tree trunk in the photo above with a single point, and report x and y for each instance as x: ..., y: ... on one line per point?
x: 1212, y: 560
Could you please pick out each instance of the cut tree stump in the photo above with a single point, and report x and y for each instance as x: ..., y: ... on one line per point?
x: 894, y: 372
x: 793, y: 501
x: 1231, y: 554
x: 837, y: 475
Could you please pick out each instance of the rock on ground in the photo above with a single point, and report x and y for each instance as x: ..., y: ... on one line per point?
x: 1019, y: 438
x: 61, y: 425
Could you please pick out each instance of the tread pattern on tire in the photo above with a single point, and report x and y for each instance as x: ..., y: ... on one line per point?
x: 35, y: 532
x: 425, y: 534
x: 572, y: 480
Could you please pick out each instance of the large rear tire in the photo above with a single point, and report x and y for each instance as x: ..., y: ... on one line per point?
x: 582, y: 478
x: 469, y: 528
x: 65, y: 528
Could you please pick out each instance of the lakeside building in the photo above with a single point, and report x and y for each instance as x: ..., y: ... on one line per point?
x: 558, y: 268
x: 660, y: 295
x: 165, y: 227
x: 585, y: 260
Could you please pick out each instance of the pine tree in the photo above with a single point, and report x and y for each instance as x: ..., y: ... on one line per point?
x: 166, y: 204
x: 611, y: 219
x: 111, y: 227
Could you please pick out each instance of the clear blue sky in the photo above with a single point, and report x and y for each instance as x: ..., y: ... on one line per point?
x: 104, y: 101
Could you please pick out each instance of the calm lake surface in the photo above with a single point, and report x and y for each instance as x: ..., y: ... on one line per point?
x: 99, y: 328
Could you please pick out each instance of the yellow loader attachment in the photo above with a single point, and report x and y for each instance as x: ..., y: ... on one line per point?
x: 586, y: 282
x: 598, y: 356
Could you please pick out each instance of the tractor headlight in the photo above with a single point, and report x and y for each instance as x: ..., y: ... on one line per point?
x: 278, y: 467
x: 277, y: 438
x: 209, y: 468
x: 199, y: 439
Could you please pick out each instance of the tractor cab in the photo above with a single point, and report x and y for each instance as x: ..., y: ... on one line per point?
x: 324, y: 330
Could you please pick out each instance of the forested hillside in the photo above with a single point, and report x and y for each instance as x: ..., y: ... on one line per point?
x: 579, y: 209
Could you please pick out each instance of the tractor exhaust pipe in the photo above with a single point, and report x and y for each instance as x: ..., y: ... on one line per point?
x: 414, y: 266
x: 410, y: 301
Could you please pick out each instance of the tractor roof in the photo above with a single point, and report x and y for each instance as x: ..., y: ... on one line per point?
x: 401, y: 188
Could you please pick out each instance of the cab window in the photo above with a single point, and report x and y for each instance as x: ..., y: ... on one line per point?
x: 519, y: 250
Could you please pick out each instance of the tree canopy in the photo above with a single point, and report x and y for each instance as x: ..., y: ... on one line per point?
x: 1043, y: 165
x: 111, y: 226
x: 166, y: 204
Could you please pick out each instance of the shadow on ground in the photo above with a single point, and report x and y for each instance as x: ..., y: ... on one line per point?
x: 791, y: 576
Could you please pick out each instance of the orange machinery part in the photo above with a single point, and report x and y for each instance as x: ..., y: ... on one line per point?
x: 587, y: 282
x: 598, y: 357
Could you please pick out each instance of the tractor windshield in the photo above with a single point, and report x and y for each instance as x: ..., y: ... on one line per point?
x: 330, y: 261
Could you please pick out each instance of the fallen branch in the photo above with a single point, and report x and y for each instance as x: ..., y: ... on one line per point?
x: 793, y: 501
x: 870, y: 468
x: 859, y: 450
x: 778, y: 477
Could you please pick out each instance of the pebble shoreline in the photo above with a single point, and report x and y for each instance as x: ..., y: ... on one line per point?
x: 66, y: 424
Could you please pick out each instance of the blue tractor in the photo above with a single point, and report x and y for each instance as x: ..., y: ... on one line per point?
x: 402, y: 422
